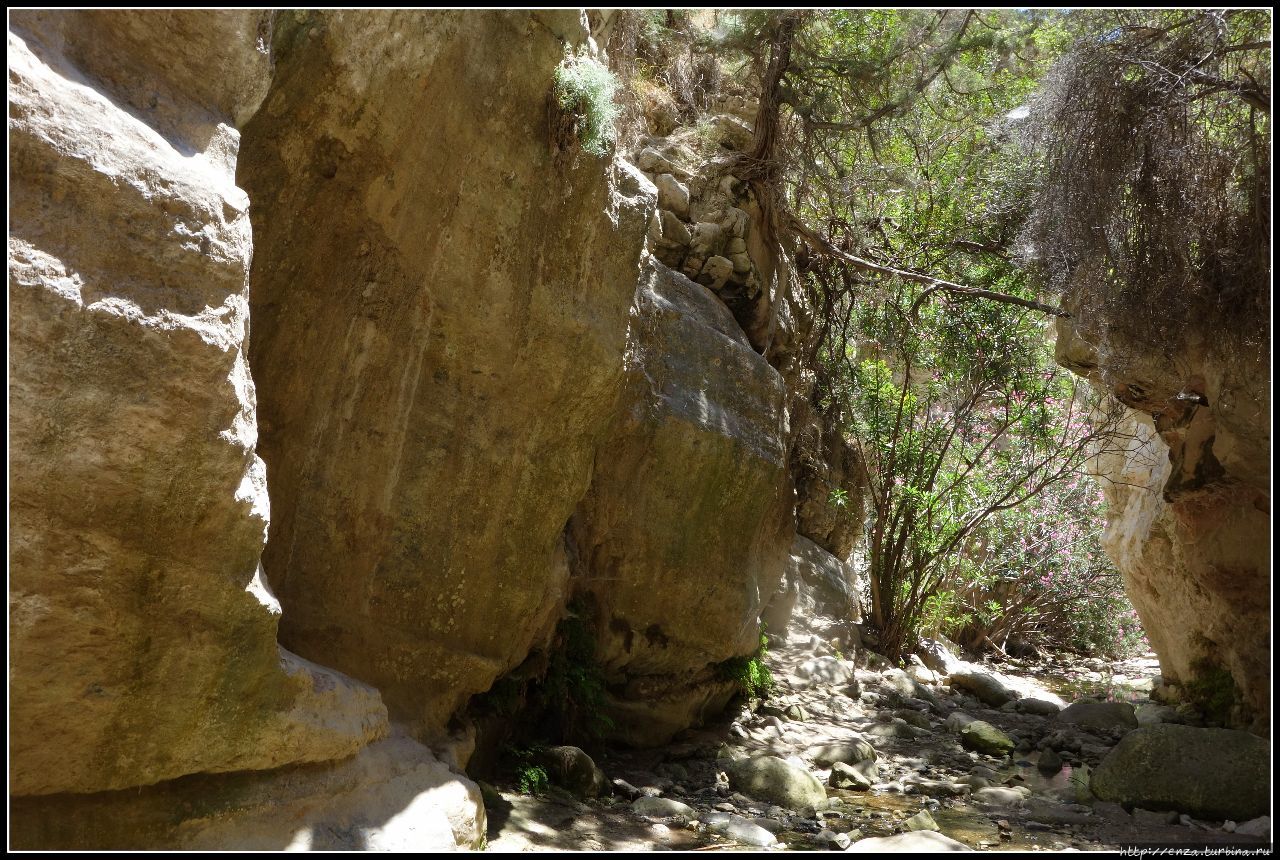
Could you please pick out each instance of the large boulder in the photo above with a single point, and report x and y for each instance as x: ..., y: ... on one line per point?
x: 440, y: 304
x: 394, y: 795
x: 142, y: 631
x: 574, y: 770
x: 985, y: 685
x: 684, y: 530
x: 772, y: 780
x: 940, y: 656
x: 1206, y: 773
x: 663, y: 807
x: 849, y: 752
x: 1099, y: 716
x: 981, y: 736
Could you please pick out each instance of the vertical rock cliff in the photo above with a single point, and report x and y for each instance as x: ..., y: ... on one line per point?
x: 1189, y: 500
x: 683, y: 535
x: 142, y: 636
x: 439, y: 305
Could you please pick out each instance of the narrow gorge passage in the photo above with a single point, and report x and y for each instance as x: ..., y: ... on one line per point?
x: 878, y: 753
x: 579, y: 429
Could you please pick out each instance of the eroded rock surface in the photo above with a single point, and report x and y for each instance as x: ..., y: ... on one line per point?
x: 1208, y: 773
x: 1188, y: 497
x: 440, y: 310
x: 819, y: 594
x: 142, y: 633
x: 685, y: 528
x: 392, y: 796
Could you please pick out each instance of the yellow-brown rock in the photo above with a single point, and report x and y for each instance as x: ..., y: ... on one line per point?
x: 684, y: 534
x: 439, y: 301
x: 1189, y: 497
x: 392, y: 796
x: 142, y: 634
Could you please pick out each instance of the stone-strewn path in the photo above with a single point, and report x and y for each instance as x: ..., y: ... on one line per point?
x: 907, y: 760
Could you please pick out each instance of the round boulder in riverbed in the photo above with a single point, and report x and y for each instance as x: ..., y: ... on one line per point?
x: 1099, y: 716
x: 983, y: 737
x: 663, y: 807
x: 1207, y: 773
x: 1037, y: 707
x: 858, y: 777
x: 985, y: 686
x: 775, y: 781
x: 573, y: 769
x: 849, y: 752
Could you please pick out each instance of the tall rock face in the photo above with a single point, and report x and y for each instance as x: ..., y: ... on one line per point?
x: 1189, y: 500
x: 142, y: 637
x: 684, y: 533
x: 440, y: 298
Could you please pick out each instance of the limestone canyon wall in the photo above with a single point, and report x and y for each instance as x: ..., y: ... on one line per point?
x: 142, y: 636
x: 440, y: 312
x: 1189, y: 499
x: 684, y: 532
x: 357, y: 403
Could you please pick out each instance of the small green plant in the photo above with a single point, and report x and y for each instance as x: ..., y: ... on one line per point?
x: 751, y: 674
x: 532, y: 779
x: 839, y: 498
x: 586, y: 88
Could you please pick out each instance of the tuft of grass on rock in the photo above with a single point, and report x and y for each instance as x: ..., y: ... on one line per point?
x: 586, y: 88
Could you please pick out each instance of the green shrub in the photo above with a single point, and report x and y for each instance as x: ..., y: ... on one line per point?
x: 751, y: 674
x: 572, y: 694
x: 532, y: 779
x: 586, y: 88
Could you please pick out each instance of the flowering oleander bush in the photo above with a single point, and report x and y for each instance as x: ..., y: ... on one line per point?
x: 1038, y: 574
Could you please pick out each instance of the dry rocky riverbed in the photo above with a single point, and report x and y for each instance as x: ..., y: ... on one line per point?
x: 869, y: 759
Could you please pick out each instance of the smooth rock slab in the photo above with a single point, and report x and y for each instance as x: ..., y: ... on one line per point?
x: 1037, y: 707
x: 1000, y: 797
x: 663, y: 807
x: 985, y: 686
x: 394, y: 795
x: 897, y: 728
x: 739, y: 829
x: 826, y: 669
x: 922, y: 820
x: 849, y: 752
x: 1206, y: 773
x: 672, y: 194
x: 1260, y: 826
x: 858, y: 777
x: 912, y: 842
